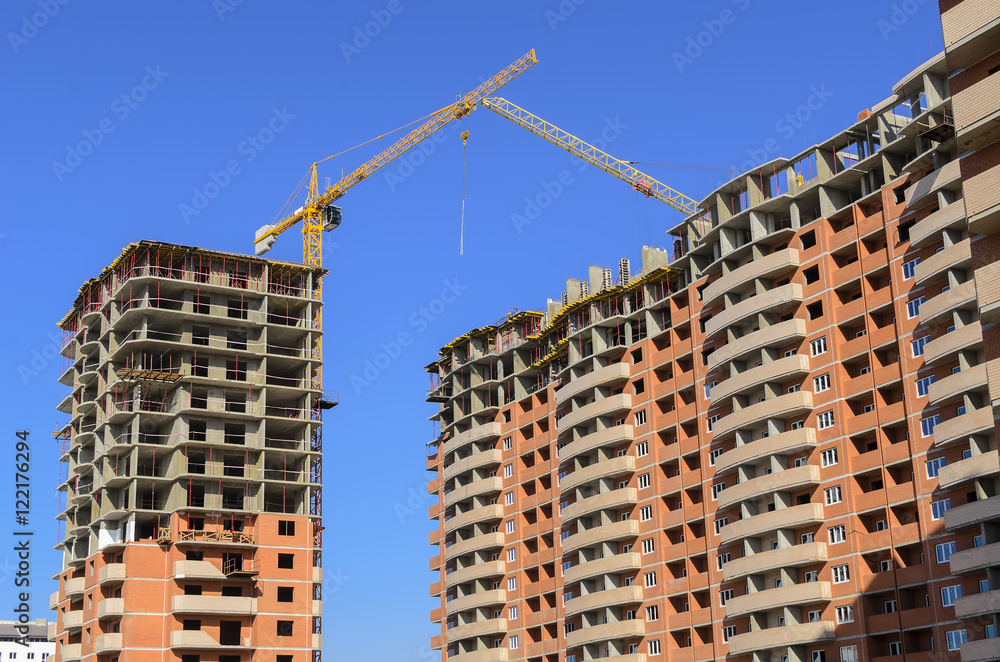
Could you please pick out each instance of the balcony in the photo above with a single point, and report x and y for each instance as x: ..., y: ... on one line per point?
x: 609, y: 565
x: 72, y: 620
x: 784, y: 518
x: 782, y: 406
x: 473, y: 544
x: 108, y: 643
x: 956, y: 256
x: 477, y: 433
x: 780, y: 370
x: 605, y: 469
x: 475, y: 488
x: 917, y: 194
x: 213, y: 604
x: 975, y: 559
x: 71, y: 652
x: 775, y: 559
x: 111, y: 608
x: 611, y: 500
x: 977, y: 604
x: 784, y: 596
x: 773, y: 301
x: 483, y: 655
x: 966, y: 39
x: 605, y: 632
x: 474, y: 461
x: 602, y: 599
x: 598, y: 534
x: 612, y: 436
x: 981, y: 650
x: 75, y: 587
x: 476, y: 600
x: 781, y: 637
x: 609, y: 374
x: 197, y: 570
x: 981, y: 201
x: 763, y: 267
x: 942, y: 348
x: 609, y: 406
x: 477, y: 629
x: 778, y: 481
x: 468, y: 517
x: 928, y: 230
x: 960, y: 297
x: 977, y: 466
x: 783, y: 443
x: 202, y: 639
x: 959, y: 428
x: 111, y: 573
x: 972, y: 514
x: 775, y: 335
x: 957, y: 385
x: 477, y: 571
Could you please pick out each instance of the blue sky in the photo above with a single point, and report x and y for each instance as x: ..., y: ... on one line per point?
x: 117, y: 115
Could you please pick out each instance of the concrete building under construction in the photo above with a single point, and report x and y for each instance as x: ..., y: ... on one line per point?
x: 192, y: 512
x: 776, y: 442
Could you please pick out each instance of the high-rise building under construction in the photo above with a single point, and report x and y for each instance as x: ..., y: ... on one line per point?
x: 752, y: 449
x: 192, y: 499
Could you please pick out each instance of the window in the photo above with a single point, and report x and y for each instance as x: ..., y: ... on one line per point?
x: 807, y: 538
x: 918, y: 345
x: 648, y: 545
x: 841, y: 574
x: 913, y: 307
x: 720, y: 522
x: 945, y: 550
x: 837, y: 534
x: 654, y: 647
x: 652, y: 613
x: 718, y: 487
x: 938, y: 508
x: 791, y: 389
x: 814, y: 616
x: 808, y: 239
x: 833, y: 495
x: 286, y: 628
x: 934, y: 466
x: 818, y: 656
x: 927, y: 424
x: 511, y: 555
x: 821, y: 383
x: 923, y: 385
x: 825, y: 420
x: 815, y: 310
x: 956, y: 638
x: 711, y: 421
x: 286, y: 594
x: 845, y: 614
x: 725, y: 596
x: 895, y: 648
x: 797, y: 425
x: 728, y: 631
x: 949, y: 594
x: 810, y: 576
x: 508, y: 498
x: 818, y: 346
x: 643, y: 481
x: 908, y: 268
x: 722, y: 559
x: 513, y: 641
x: 508, y: 443
x: 286, y: 527
x: 511, y: 583
x: 640, y: 417
x: 510, y: 526
x: 649, y: 579
x: 645, y: 513
x: 713, y: 455
x: 286, y: 561
x: 708, y: 388
x: 828, y: 457
x: 642, y: 449
x: 508, y: 471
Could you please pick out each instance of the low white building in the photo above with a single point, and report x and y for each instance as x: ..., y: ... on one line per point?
x: 39, y: 647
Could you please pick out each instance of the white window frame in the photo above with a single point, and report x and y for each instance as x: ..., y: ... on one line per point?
x: 828, y: 457
x: 825, y: 419
x: 643, y: 481
x: 818, y: 346
x: 649, y: 579
x: 821, y: 383
x: 642, y: 449
x: 949, y: 594
x: 845, y: 614
x: 833, y: 495
x: 648, y: 546
x: 917, y: 345
x: 838, y: 534
x: 841, y: 574
x: 913, y: 307
x: 955, y: 639
x: 640, y: 417
x: 645, y: 513
x: 908, y: 267
x: 943, y: 551
x: 939, y: 508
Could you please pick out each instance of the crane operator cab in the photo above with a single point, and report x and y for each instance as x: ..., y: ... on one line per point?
x: 332, y: 216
